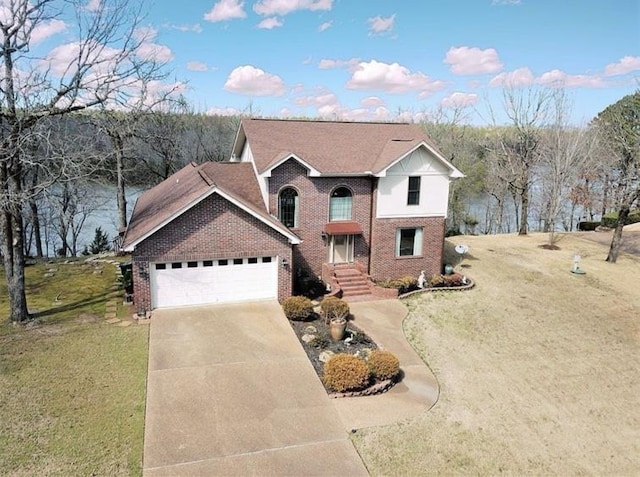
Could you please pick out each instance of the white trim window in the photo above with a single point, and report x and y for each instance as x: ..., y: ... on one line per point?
x: 413, y: 192
x: 288, y: 207
x: 340, y: 204
x: 409, y: 242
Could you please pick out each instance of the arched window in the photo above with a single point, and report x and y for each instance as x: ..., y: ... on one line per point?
x: 288, y: 207
x: 340, y: 204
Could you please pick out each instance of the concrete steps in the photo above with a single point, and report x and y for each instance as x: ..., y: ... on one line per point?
x: 351, y: 281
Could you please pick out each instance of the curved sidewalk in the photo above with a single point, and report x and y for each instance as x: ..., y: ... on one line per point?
x: 416, y: 393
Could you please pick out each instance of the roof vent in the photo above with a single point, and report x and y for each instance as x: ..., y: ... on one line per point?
x: 402, y: 139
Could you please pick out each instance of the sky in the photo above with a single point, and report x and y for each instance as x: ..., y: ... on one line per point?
x: 381, y: 60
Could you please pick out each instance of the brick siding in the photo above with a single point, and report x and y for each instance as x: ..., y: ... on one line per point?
x: 214, y: 228
x: 379, y: 235
x: 313, y: 212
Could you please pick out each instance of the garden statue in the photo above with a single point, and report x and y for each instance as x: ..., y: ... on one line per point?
x: 421, y: 280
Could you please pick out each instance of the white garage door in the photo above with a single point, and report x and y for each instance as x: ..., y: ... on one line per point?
x: 213, y: 281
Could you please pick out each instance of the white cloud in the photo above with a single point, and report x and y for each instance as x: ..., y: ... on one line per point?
x: 324, y: 26
x: 253, y: 81
x: 513, y: 79
x: 154, y: 52
x: 195, y: 28
x: 327, y: 64
x: 44, y: 30
x: 473, y: 61
x: 147, y: 33
x: 226, y: 10
x: 324, y: 99
x: 381, y: 113
x: 622, y: 67
x: 93, y: 5
x: 372, y: 101
x: 379, y: 25
x: 559, y: 78
x: 224, y: 112
x: 506, y: 2
x: 392, y: 78
x: 197, y: 66
x: 459, y: 100
x: 283, y: 7
x: 270, y: 23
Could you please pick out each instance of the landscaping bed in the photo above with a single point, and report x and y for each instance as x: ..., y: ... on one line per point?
x: 351, y: 365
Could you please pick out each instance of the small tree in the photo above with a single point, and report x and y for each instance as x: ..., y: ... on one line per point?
x: 100, y: 242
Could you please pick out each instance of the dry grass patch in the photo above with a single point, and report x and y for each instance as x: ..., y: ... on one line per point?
x: 538, y: 367
x: 72, y: 387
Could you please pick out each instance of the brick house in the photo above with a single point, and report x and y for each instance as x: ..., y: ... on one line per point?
x: 297, y: 202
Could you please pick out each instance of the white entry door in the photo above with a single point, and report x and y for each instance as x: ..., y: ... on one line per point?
x: 213, y: 281
x: 341, y: 249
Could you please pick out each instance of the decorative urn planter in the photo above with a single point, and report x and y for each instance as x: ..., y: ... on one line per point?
x: 338, y: 327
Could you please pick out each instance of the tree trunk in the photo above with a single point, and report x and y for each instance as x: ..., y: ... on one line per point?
x: 35, y: 223
x: 616, y: 241
x: 122, y: 201
x: 524, y: 211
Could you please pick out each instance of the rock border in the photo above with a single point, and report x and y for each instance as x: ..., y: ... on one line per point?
x: 377, y: 388
x: 468, y: 286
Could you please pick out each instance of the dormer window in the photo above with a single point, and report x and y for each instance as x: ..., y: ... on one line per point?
x: 340, y: 204
x: 288, y: 207
x: 413, y: 193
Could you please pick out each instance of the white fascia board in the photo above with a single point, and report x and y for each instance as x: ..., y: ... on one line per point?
x: 240, y: 137
x: 454, y: 174
x: 169, y: 219
x: 293, y: 239
x: 312, y: 171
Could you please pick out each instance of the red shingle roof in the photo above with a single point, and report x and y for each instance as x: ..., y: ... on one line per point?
x: 162, y: 203
x: 331, y: 147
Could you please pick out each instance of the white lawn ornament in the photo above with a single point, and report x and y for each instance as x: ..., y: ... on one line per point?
x: 421, y: 280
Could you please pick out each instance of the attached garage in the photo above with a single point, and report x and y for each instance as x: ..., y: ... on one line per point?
x: 213, y: 281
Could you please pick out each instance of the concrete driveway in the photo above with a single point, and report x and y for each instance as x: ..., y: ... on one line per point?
x: 231, y: 392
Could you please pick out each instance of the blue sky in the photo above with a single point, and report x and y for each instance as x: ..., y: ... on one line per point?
x: 384, y: 60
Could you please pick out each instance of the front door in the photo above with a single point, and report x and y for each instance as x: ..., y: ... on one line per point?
x: 341, y: 249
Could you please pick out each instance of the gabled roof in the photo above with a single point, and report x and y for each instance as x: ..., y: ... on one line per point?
x: 193, y: 183
x: 333, y: 148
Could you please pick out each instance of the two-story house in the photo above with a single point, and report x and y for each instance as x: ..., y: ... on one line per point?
x: 298, y: 200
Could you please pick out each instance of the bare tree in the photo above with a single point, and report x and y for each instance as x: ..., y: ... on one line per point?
x: 98, y: 67
x: 565, y: 155
x: 618, y: 126
x: 516, y: 150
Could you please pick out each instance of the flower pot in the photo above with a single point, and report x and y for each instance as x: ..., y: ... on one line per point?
x: 338, y: 327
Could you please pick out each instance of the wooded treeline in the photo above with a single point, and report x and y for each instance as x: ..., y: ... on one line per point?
x: 539, y: 173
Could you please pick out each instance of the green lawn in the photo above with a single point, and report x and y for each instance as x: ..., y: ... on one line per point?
x: 72, y: 387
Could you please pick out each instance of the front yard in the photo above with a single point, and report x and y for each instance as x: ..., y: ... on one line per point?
x: 538, y: 367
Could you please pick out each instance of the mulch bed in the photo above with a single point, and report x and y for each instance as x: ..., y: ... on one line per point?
x: 359, y: 342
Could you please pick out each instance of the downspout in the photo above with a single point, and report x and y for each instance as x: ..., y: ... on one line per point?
x: 374, y: 196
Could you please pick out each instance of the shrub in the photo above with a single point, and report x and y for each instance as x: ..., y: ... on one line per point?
x: 345, y: 372
x: 297, y: 308
x: 611, y: 219
x: 403, y: 285
x: 334, y: 307
x: 453, y: 280
x: 383, y: 364
x: 586, y: 226
x: 436, y: 281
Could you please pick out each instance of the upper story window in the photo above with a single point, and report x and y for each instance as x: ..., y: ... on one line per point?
x: 413, y: 194
x: 288, y: 207
x: 340, y: 204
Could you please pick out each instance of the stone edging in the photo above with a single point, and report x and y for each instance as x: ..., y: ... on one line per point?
x: 378, y: 388
x: 468, y: 286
